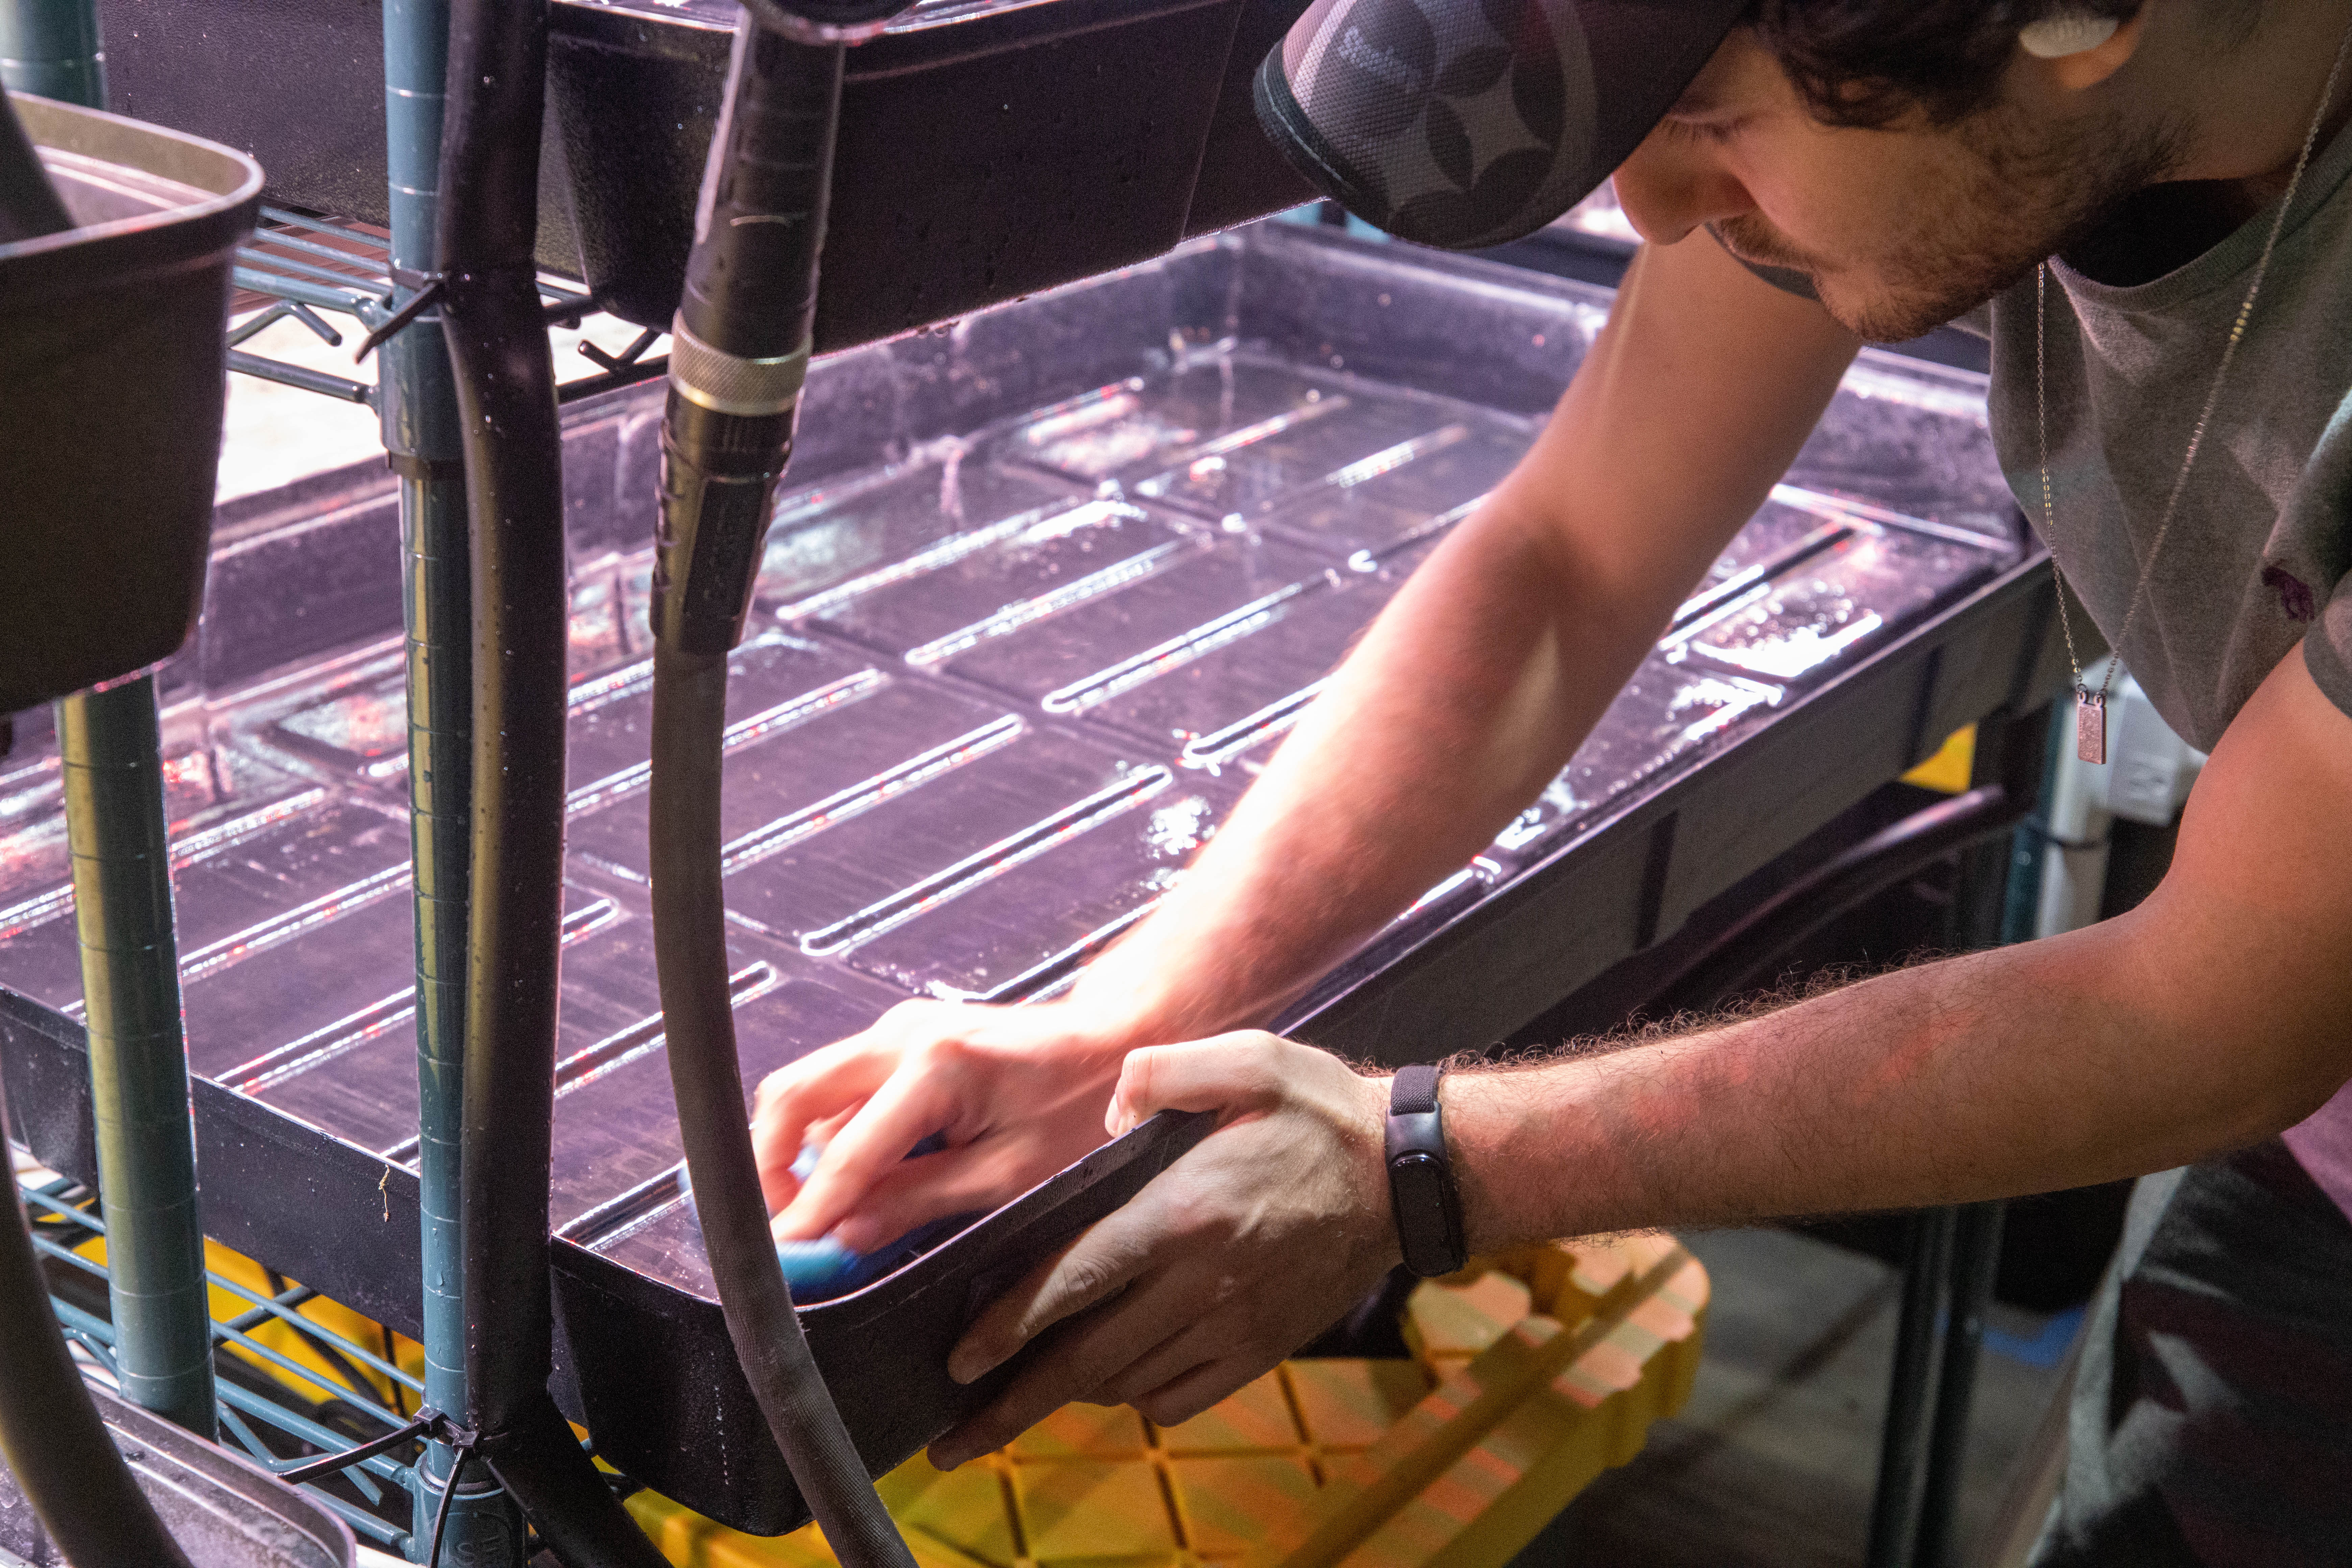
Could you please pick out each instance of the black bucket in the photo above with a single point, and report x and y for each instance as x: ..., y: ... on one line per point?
x: 112, y: 359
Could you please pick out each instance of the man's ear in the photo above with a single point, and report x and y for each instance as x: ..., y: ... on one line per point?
x: 2076, y: 51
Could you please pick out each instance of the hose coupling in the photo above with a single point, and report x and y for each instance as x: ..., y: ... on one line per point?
x: 727, y: 434
x: 723, y: 383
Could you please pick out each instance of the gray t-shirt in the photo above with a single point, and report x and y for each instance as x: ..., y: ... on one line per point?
x: 2258, y: 553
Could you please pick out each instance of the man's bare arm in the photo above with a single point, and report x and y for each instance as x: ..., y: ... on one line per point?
x: 2211, y: 1017
x: 1467, y: 695
x: 1463, y: 700
x: 2215, y: 1014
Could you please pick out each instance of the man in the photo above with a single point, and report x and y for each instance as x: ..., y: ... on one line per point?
x: 1912, y: 160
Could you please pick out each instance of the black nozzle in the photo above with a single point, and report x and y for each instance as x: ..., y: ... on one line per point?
x: 740, y: 344
x: 718, y: 481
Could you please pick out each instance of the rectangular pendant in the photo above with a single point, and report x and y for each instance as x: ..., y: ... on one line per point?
x: 2090, y: 727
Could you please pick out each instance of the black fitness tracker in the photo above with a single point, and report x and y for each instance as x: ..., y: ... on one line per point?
x: 1420, y: 1177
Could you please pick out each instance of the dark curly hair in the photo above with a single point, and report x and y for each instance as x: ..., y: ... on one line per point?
x: 1870, y: 62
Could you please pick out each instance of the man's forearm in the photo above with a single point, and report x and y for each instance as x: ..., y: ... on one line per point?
x: 2050, y: 1065
x: 2208, y: 1018
x: 1473, y: 687
x: 1463, y: 700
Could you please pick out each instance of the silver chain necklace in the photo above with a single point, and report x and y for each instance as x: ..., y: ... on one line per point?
x: 2090, y: 706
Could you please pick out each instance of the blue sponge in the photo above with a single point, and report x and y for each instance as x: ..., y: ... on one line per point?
x: 821, y: 1270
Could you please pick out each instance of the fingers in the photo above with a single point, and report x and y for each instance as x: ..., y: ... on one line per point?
x: 1183, y: 1353
x: 907, y: 1108
x: 977, y: 1176
x: 1226, y: 1073
x: 1099, y: 1265
x: 1205, y: 1372
x: 1237, y: 1252
x: 1180, y: 1400
x: 1025, y: 1088
x: 799, y: 1101
x: 1078, y: 1357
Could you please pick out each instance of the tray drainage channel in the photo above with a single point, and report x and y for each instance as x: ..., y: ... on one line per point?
x: 985, y: 865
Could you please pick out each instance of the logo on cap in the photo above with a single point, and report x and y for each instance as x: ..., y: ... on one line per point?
x: 1452, y: 118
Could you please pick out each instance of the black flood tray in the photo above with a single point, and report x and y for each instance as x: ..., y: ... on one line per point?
x: 989, y: 148
x: 1046, y: 592
x: 671, y: 1420
x: 883, y: 1349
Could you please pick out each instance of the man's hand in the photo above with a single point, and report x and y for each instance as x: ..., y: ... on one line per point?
x: 1016, y: 1093
x: 1245, y: 1249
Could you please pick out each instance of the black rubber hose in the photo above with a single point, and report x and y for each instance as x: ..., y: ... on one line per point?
x: 740, y: 343
x: 537, y: 1459
x: 51, y: 1434
x: 513, y: 947
x: 750, y: 279
x: 505, y: 394
x: 739, y: 352
x: 689, y: 712
x: 514, y: 479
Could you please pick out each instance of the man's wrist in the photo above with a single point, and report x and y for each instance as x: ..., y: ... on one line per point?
x: 1097, y: 1025
x: 1120, y: 1014
x: 1422, y: 1199
x: 1503, y: 1127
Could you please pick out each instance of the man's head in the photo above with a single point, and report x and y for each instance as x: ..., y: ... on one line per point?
x: 1914, y: 156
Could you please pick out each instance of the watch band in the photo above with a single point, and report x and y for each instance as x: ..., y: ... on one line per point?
x: 1421, y: 1191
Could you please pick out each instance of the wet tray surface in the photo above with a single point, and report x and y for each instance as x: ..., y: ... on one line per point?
x: 1013, y: 657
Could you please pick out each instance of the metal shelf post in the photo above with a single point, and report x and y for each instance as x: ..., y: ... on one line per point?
x: 111, y: 743
x: 417, y: 398
x: 51, y: 48
x: 111, y: 746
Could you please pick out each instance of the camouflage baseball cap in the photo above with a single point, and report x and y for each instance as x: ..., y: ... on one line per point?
x: 1466, y: 124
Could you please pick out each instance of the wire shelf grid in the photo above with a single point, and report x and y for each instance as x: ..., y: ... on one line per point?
x: 66, y: 1220
x: 354, y: 276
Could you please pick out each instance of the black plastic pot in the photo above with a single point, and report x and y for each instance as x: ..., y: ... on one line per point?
x: 111, y: 391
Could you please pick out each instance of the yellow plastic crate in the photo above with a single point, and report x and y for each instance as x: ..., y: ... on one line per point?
x: 1531, y: 1375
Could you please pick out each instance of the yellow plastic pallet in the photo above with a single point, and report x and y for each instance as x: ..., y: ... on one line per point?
x: 1530, y: 1375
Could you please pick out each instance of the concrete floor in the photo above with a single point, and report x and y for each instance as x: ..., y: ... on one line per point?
x: 1772, y: 1464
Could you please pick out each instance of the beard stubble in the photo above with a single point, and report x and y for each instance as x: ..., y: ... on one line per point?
x: 2008, y: 197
